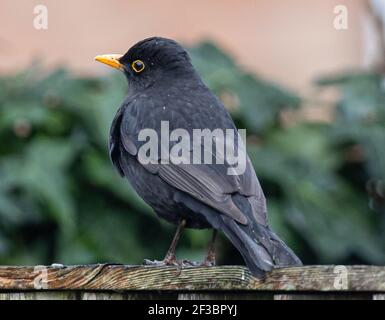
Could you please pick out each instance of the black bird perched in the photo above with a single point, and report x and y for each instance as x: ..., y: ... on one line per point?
x: 164, y: 86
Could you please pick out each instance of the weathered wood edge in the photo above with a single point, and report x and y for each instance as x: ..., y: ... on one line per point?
x: 124, y: 277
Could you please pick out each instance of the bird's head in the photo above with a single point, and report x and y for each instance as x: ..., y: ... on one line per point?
x: 151, y: 60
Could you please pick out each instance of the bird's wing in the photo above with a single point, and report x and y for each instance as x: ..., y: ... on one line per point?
x: 113, y: 142
x: 208, y: 183
x: 204, y: 184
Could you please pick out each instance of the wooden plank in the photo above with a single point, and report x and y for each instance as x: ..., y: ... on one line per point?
x: 325, y: 296
x: 39, y: 295
x: 226, y: 295
x: 122, y: 277
x: 101, y: 296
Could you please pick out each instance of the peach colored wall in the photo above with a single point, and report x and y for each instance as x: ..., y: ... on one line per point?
x: 289, y: 41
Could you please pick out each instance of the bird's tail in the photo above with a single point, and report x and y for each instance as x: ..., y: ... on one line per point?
x: 261, y: 248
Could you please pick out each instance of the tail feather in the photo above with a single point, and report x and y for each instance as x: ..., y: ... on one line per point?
x: 283, y: 255
x: 261, y: 248
x: 257, y: 258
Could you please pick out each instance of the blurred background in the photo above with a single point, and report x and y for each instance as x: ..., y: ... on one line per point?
x: 310, y: 94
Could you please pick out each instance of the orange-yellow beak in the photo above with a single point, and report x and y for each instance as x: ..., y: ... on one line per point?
x: 110, y: 59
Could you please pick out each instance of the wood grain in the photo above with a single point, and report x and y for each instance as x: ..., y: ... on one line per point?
x: 121, y: 278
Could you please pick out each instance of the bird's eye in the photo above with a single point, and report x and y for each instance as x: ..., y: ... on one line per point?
x: 138, y: 66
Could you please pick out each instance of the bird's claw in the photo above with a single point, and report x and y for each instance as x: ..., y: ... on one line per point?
x: 168, y: 261
x: 189, y: 263
x: 208, y: 262
x: 162, y: 263
x: 171, y: 262
x: 179, y: 263
x: 148, y: 262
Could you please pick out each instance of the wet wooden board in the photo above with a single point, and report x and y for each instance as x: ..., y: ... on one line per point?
x: 104, y: 281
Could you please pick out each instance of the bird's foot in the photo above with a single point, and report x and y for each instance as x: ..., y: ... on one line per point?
x: 170, y: 262
x: 158, y: 263
x: 209, y: 261
x: 189, y: 263
x: 167, y: 261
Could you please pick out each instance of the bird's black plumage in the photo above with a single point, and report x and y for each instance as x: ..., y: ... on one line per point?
x: 204, y: 195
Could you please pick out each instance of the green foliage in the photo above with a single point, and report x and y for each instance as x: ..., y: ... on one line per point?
x: 62, y: 201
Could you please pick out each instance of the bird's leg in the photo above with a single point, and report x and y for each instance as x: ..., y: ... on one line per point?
x: 210, y: 257
x: 170, y: 257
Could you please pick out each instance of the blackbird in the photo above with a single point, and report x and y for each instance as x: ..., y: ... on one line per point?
x: 163, y: 86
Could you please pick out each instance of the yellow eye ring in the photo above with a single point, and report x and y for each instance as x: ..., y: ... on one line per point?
x: 137, y: 66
